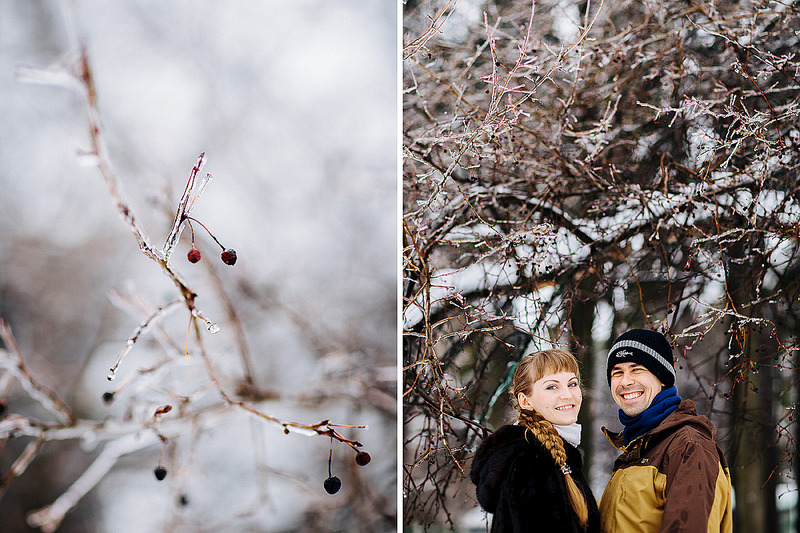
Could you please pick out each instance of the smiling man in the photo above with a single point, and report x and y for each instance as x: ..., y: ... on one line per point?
x: 671, y: 475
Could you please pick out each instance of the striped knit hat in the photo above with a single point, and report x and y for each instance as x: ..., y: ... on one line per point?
x: 647, y: 348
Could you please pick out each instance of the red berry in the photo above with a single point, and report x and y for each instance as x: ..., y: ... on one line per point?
x: 160, y: 472
x: 332, y: 485
x: 194, y: 255
x: 362, y: 458
x: 229, y: 256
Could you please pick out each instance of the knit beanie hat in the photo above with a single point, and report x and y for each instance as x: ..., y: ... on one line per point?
x: 647, y: 348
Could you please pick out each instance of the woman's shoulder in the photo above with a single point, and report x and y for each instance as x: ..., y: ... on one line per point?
x: 506, y: 444
x: 491, y: 462
x: 508, y: 434
x: 503, y: 438
x: 508, y: 460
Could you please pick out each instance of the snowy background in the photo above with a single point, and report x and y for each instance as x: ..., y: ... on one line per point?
x: 294, y: 104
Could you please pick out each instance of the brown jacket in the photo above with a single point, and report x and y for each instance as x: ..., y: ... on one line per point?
x: 673, y: 478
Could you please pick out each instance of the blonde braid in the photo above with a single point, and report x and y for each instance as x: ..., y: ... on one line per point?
x: 544, y: 431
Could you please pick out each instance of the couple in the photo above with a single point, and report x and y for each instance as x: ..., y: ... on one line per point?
x: 671, y: 475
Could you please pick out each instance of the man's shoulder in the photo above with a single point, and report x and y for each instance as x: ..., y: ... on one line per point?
x: 686, y: 422
x: 688, y: 431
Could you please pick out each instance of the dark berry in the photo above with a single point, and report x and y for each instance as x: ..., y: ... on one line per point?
x: 194, y: 255
x: 108, y: 397
x: 229, y: 256
x: 160, y: 472
x: 332, y: 485
x: 362, y: 458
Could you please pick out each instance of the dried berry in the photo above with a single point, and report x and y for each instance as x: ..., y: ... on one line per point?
x: 229, y: 256
x: 164, y: 409
x: 362, y: 458
x: 194, y: 255
x: 160, y: 472
x: 108, y: 397
x: 332, y: 485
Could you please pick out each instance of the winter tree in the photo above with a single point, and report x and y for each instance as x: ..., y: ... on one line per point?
x: 571, y: 170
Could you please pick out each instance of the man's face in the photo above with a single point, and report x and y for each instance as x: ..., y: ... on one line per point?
x: 633, y: 387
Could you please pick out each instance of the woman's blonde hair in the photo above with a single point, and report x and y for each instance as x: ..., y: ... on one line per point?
x: 531, y: 369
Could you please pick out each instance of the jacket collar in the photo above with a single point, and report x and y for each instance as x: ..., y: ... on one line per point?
x: 685, y: 414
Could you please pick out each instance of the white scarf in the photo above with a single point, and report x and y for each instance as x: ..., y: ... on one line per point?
x: 570, y: 433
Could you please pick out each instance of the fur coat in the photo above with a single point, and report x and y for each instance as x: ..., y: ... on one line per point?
x: 519, y: 482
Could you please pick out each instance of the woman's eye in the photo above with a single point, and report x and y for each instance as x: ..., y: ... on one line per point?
x: 573, y: 384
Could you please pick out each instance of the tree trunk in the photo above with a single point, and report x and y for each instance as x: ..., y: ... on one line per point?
x: 750, y: 457
x: 581, y: 321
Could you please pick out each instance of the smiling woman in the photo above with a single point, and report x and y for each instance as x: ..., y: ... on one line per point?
x: 531, y: 472
x: 557, y: 397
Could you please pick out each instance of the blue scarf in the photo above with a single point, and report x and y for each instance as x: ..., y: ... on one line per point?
x: 663, y: 405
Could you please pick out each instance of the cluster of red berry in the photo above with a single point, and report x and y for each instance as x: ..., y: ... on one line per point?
x: 228, y: 255
x: 332, y: 484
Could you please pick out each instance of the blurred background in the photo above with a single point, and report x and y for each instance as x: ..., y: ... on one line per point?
x: 295, y: 106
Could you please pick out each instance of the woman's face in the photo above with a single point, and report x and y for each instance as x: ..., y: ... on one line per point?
x: 557, y: 397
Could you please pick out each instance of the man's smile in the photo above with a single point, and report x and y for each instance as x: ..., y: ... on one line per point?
x: 632, y: 395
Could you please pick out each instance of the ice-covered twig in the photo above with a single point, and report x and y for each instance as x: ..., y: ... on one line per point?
x: 56, y: 74
x: 321, y: 428
x: 79, y: 69
x: 14, y: 363
x: 157, y: 314
x: 103, y: 163
x: 211, y: 326
x: 50, y: 517
x: 135, y: 305
x: 200, y: 188
x: 436, y: 24
x: 184, y: 208
x: 21, y: 463
x: 84, y: 75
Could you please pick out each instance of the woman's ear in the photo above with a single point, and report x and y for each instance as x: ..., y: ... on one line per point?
x: 523, y: 402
